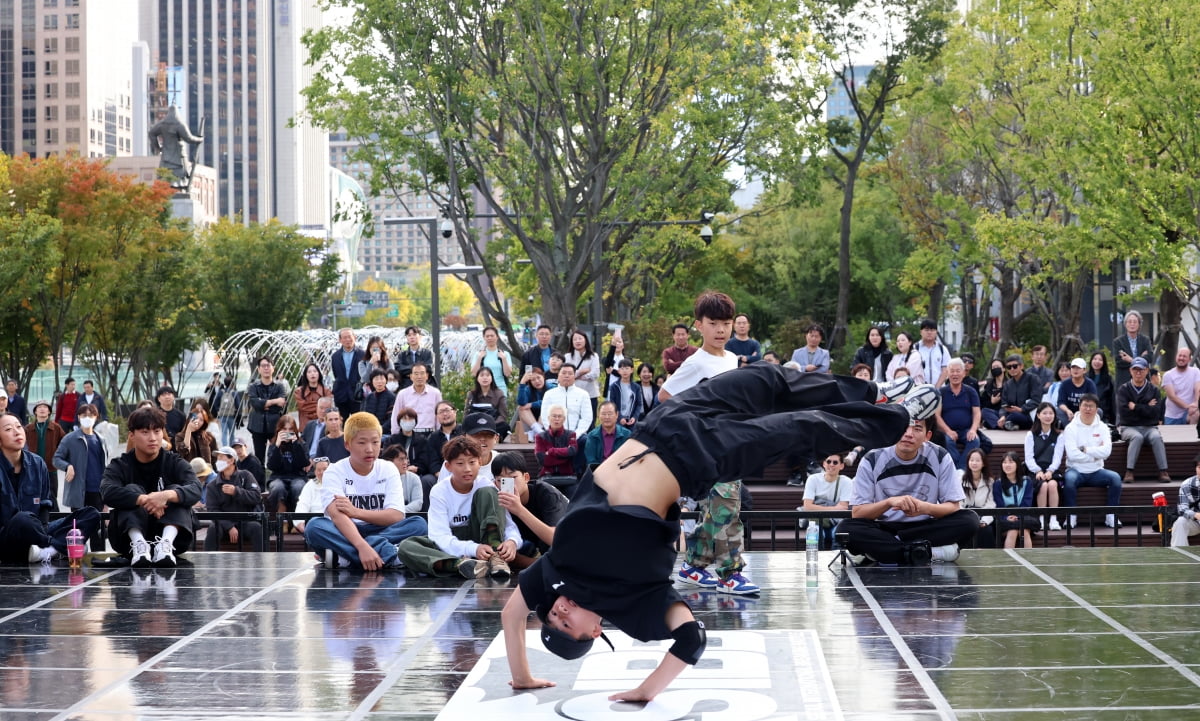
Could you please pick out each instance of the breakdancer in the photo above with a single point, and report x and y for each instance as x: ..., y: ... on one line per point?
x: 613, y: 552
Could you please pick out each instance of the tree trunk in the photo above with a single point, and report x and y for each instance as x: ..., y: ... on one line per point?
x: 1008, y: 298
x: 837, y: 338
x: 1170, y: 308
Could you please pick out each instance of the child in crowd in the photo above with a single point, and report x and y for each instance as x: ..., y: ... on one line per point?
x: 1013, y: 490
x: 977, y: 493
x: 534, y: 505
x: 469, y: 532
x: 363, y: 498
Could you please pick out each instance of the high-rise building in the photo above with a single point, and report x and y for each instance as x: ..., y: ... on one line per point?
x: 66, y: 80
x: 242, y: 69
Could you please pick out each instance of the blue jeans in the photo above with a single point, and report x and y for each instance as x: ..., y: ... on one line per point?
x: 228, y: 429
x: 321, y: 534
x: 1103, y: 477
x: 1180, y: 421
x: 960, y: 457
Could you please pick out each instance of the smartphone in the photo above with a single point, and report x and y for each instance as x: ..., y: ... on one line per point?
x: 528, y: 369
x: 508, y: 485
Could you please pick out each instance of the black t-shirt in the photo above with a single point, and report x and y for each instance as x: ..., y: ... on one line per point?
x: 616, y: 562
x: 548, y: 505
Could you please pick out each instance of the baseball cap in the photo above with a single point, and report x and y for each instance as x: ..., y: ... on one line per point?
x: 479, y: 423
x: 239, y: 442
x: 562, y: 644
x: 1079, y: 363
x: 1139, y: 363
x: 227, y: 451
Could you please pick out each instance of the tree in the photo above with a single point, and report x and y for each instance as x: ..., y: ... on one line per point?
x: 100, y: 220
x: 262, y: 275
x: 28, y: 250
x: 401, y: 310
x: 454, y: 298
x: 568, y: 120
x: 913, y: 34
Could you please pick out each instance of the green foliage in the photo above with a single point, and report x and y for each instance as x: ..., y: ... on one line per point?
x: 262, y: 275
x: 576, y: 122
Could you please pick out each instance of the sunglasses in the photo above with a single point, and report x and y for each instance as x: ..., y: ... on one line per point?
x: 833, y: 462
x: 320, y: 459
x: 1013, y: 366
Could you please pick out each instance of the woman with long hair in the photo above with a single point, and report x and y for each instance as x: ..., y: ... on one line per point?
x: 989, y: 395
x: 906, y: 356
x: 494, y: 358
x: 977, y: 493
x: 310, y: 388
x: 647, y: 386
x: 587, y: 366
x: 288, y: 460
x: 376, y: 358
x: 1013, y: 490
x: 874, y: 353
x: 485, y: 397
x: 195, y: 441
x: 1044, y: 458
x: 1098, y: 372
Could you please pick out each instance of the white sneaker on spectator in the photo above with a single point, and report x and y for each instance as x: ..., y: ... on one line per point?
x: 1054, y: 524
x: 1112, y: 521
x: 1073, y: 521
x: 37, y: 554
x: 944, y: 554
x: 139, y: 554
x: 164, y: 553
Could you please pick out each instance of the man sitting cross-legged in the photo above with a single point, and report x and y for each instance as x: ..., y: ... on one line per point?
x: 614, y: 550
x: 905, y: 507
x: 363, y: 499
x: 469, y: 532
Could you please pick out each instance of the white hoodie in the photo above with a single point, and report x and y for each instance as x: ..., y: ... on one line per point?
x: 1087, y: 446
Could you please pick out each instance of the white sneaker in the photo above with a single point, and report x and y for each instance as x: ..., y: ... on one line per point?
x: 1073, y: 521
x: 1054, y: 524
x: 944, y: 554
x: 139, y: 554
x: 164, y: 553
x: 922, y: 402
x: 1112, y: 521
x: 893, y: 391
x: 37, y: 554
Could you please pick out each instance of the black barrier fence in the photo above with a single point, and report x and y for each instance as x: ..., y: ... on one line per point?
x: 783, y: 530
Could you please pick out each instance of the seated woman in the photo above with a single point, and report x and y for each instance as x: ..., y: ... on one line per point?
x: 828, y: 491
x: 1044, y: 457
x: 990, y: 406
x: 287, y: 460
x: 487, y: 397
x: 194, y: 441
x: 977, y: 492
x: 414, y: 445
x: 1013, y: 490
x: 529, y: 400
x: 380, y: 400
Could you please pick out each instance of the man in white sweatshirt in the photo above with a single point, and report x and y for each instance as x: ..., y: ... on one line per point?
x: 1088, y: 442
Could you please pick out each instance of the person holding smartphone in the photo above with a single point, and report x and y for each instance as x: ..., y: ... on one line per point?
x: 287, y: 458
x: 535, y: 506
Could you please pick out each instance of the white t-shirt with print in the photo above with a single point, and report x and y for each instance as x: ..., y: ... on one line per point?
x: 379, y: 489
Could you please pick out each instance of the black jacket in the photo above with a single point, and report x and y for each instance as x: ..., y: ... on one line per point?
x: 119, y: 491
x: 247, y: 497
x: 1142, y: 413
x: 262, y: 419
x: 1024, y: 393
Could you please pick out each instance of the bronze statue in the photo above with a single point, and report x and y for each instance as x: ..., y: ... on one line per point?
x: 171, y: 136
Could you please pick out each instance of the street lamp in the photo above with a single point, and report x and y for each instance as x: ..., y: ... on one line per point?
x: 434, y: 226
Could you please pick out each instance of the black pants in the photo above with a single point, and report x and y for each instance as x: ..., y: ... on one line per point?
x: 286, y: 489
x: 250, y: 535
x: 260, y: 445
x: 885, y: 541
x: 121, y: 522
x: 25, y: 529
x: 95, y: 500
x: 347, y: 409
x: 737, y: 423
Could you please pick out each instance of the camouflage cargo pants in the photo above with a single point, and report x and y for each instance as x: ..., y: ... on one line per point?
x: 716, y: 543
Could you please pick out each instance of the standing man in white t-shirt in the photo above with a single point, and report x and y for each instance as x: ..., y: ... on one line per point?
x: 363, y: 498
x: 717, y: 539
x: 1182, y: 384
x: 934, y: 356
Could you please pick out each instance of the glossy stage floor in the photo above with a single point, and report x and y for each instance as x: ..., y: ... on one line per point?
x: 1058, y: 634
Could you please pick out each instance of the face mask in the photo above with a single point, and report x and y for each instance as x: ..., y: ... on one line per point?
x: 222, y: 465
x: 407, y: 425
x: 996, y: 372
x: 86, y: 423
x: 392, y: 386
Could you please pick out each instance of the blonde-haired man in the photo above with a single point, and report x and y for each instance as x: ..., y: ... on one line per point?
x: 363, y: 498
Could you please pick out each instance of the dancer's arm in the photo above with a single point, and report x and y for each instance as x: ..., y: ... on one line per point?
x: 671, y: 665
x: 513, y: 619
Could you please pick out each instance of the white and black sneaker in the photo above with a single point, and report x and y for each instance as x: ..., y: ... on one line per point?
x: 164, y: 553
x: 139, y: 554
x: 893, y: 391
x: 45, y: 556
x: 945, y: 554
x: 922, y: 402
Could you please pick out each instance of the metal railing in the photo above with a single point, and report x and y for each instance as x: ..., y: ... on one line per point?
x: 781, y: 530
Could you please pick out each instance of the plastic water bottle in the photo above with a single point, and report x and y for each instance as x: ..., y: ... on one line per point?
x: 812, y: 540
x: 75, y: 547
